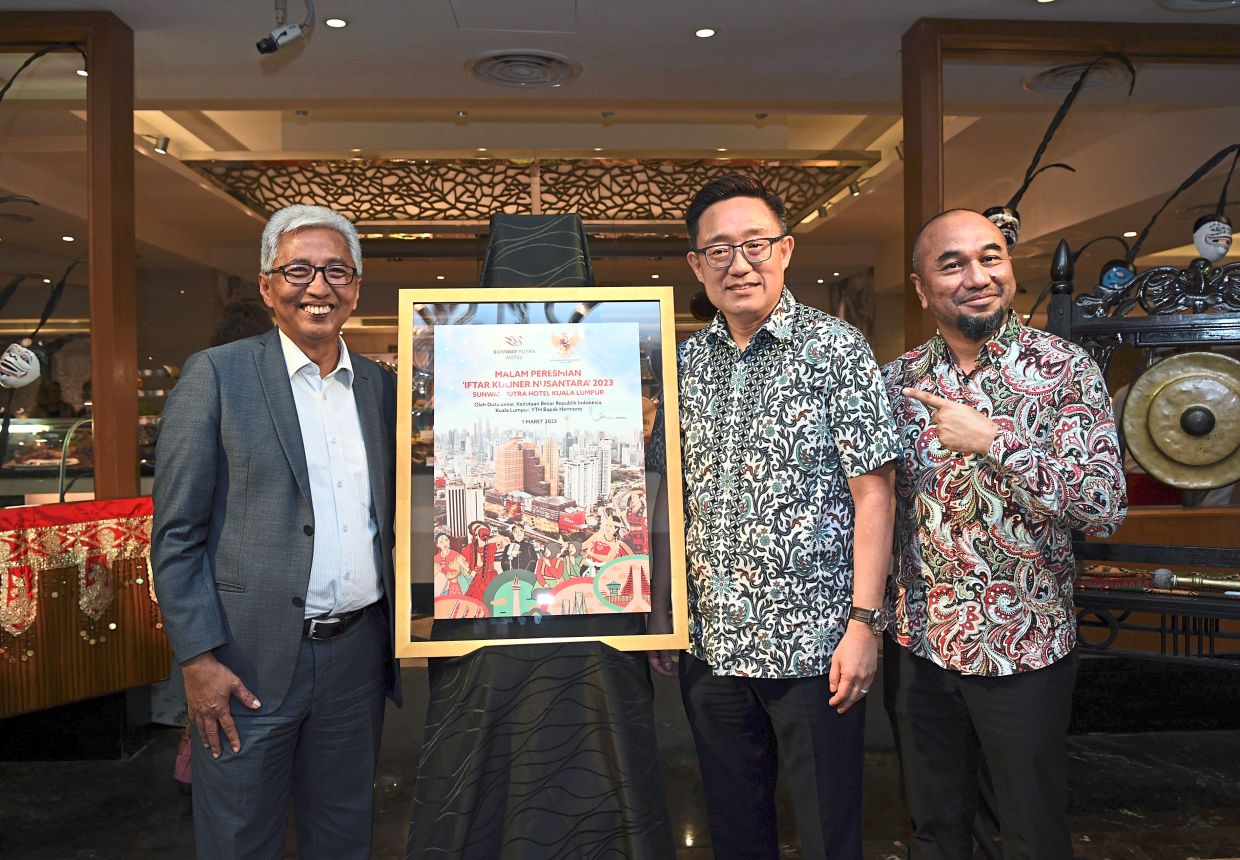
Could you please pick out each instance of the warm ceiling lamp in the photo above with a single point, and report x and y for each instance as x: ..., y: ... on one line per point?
x: 161, y: 145
x: 336, y: 23
x: 82, y: 73
x: 854, y: 188
x: 704, y: 33
x: 1130, y: 234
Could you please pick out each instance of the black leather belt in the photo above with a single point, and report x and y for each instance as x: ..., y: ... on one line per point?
x: 330, y: 626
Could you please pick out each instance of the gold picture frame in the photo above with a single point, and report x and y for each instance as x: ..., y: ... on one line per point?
x: 430, y: 323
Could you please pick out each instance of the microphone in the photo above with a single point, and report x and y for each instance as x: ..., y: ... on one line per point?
x: 1164, y: 578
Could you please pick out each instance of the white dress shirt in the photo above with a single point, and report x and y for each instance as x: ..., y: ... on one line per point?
x: 344, y: 574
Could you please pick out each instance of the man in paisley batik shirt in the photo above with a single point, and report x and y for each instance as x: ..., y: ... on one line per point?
x: 787, y: 440
x: 1009, y: 445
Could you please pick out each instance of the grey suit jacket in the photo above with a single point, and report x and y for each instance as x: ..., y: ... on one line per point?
x: 232, y: 538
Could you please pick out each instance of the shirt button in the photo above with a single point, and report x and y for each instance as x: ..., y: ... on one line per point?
x: 333, y: 440
x: 340, y: 483
x: 309, y: 530
x: 345, y: 528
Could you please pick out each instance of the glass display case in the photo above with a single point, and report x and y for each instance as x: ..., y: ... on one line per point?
x: 46, y: 457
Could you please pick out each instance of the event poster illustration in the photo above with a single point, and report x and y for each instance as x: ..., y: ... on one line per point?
x: 540, y: 490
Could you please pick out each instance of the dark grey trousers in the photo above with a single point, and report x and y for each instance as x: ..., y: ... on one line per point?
x: 317, y: 750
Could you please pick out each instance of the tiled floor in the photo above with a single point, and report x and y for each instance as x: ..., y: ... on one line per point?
x: 1145, y: 796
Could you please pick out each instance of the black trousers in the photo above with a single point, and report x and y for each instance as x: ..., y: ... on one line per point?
x: 745, y: 730
x: 944, y: 720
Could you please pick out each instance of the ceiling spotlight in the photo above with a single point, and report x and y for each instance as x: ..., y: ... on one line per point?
x: 721, y: 149
x: 336, y: 23
x: 356, y: 149
x: 439, y: 277
x: 47, y: 280
x: 854, y: 188
x: 82, y: 73
x: 822, y: 280
x: 285, y: 32
x: 1130, y: 234
x: 1046, y: 1
x: 654, y: 277
x: 482, y: 149
x: 461, y: 114
x: 161, y: 145
x: 704, y: 33
x: 835, y: 274
x: 66, y: 238
x: 598, y: 149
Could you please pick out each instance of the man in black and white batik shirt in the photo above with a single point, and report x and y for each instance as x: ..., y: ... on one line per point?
x: 788, y: 446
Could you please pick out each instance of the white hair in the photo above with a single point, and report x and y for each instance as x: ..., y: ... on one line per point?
x: 302, y: 217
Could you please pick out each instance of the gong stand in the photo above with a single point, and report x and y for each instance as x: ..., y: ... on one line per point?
x: 1190, y: 308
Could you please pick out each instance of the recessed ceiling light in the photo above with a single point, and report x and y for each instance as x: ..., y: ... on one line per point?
x: 82, y: 73
x: 439, y: 277
x: 822, y: 280
x: 66, y: 238
x: 704, y: 33
x: 336, y: 23
x: 461, y: 114
x: 356, y: 149
x: 835, y: 274
x: 482, y: 149
x: 721, y: 149
x: 1046, y: 1
x: 654, y: 277
x: 47, y: 280
x: 598, y: 149
x: 1130, y: 234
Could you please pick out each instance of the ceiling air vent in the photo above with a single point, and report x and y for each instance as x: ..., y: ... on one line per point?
x: 523, y: 69
x: 1059, y: 79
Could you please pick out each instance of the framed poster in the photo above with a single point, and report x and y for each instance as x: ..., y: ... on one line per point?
x: 532, y: 448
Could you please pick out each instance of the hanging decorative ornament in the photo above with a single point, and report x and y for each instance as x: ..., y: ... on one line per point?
x: 1006, y: 217
x: 1116, y: 274
x: 1211, y: 233
x: 1212, y: 237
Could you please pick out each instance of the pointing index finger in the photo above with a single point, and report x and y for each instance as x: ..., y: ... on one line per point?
x: 931, y: 400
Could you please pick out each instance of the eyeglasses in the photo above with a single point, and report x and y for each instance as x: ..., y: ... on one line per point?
x: 754, y: 250
x: 302, y: 274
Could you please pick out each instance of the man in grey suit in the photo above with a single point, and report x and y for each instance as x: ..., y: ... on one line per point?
x: 272, y: 553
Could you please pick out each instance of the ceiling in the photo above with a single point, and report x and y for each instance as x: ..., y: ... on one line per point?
x: 795, y: 79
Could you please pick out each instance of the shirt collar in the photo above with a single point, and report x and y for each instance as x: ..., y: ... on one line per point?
x: 295, y: 360
x: 995, y: 345
x: 779, y: 323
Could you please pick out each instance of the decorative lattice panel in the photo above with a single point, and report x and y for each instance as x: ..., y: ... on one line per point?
x: 606, y: 190
x: 661, y: 190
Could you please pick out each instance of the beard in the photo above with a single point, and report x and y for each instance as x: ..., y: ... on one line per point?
x: 980, y: 328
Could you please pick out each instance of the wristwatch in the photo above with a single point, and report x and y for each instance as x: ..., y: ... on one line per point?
x: 875, y: 619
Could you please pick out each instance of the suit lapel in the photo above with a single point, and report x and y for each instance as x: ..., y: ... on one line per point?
x: 368, y: 395
x: 273, y: 375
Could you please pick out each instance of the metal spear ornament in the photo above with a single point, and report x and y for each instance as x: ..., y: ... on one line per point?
x: 1006, y: 217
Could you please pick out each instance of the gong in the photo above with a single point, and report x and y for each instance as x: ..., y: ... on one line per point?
x: 1182, y: 420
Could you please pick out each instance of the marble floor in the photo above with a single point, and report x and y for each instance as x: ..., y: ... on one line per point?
x: 1144, y: 795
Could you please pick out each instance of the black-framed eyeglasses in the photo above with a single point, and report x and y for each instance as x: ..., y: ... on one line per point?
x: 302, y: 274
x: 756, y: 250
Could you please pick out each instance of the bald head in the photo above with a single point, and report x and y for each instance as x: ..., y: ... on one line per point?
x: 963, y: 274
x: 950, y: 218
